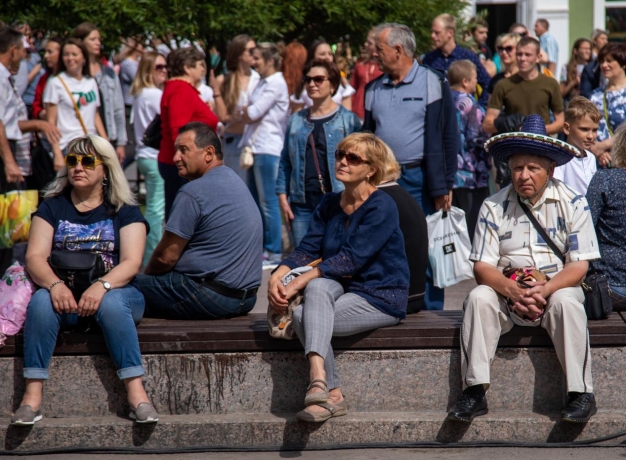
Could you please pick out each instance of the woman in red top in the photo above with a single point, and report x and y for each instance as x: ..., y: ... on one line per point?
x: 364, y: 71
x: 180, y: 104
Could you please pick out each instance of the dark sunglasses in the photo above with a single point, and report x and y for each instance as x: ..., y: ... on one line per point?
x: 318, y: 80
x: 160, y: 67
x: 87, y: 161
x: 508, y: 49
x: 523, y: 34
x: 352, y: 158
x: 250, y: 50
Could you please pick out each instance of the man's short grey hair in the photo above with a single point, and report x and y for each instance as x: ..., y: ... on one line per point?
x: 399, y: 34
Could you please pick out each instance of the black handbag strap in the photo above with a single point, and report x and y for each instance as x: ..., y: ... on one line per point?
x: 541, y: 231
x: 316, y: 160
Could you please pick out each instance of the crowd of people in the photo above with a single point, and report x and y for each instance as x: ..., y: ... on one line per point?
x: 349, y: 157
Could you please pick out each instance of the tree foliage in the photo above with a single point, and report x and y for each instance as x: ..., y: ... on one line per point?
x: 214, y: 22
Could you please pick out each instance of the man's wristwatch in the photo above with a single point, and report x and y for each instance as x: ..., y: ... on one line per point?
x: 106, y: 284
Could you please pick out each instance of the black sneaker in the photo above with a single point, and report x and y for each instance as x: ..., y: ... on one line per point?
x: 580, y: 407
x: 472, y: 403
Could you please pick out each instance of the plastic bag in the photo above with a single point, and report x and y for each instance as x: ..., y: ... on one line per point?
x: 16, y: 290
x: 449, y: 248
x: 15, y: 210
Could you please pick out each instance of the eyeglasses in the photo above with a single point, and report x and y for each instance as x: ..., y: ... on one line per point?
x: 522, y: 34
x: 318, y: 80
x: 160, y: 67
x: 352, y: 158
x: 507, y: 49
x: 87, y: 161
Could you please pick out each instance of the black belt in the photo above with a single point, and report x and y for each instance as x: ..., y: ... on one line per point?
x: 227, y: 291
x: 415, y: 164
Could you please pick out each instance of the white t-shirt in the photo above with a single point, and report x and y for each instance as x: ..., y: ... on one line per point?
x: 342, y: 93
x: 577, y: 172
x: 85, y: 94
x: 145, y: 107
x: 206, y: 93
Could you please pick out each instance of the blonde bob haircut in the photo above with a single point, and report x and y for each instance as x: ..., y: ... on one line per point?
x: 619, y: 147
x: 143, y: 78
x: 392, y: 167
x: 116, y: 193
x: 372, y: 149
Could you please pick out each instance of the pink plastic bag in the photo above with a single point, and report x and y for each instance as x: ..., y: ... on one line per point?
x: 16, y: 290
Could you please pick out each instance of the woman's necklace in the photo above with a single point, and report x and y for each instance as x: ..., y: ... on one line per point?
x: 82, y: 203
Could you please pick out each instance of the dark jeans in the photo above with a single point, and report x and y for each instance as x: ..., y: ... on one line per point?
x: 412, y: 180
x: 173, y: 182
x: 177, y: 296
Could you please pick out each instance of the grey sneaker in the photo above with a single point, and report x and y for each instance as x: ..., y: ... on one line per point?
x: 25, y: 416
x: 144, y: 413
x: 271, y: 261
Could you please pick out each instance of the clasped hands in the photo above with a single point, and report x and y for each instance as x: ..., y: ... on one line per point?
x: 532, y: 301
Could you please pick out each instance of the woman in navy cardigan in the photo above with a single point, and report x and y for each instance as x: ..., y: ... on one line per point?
x: 363, y: 281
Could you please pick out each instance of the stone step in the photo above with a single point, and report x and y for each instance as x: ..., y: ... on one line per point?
x: 523, y: 379
x: 276, y: 431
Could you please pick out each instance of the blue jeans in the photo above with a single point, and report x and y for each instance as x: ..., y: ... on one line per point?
x: 120, y: 310
x: 155, y: 204
x: 302, y: 214
x: 172, y: 183
x: 262, y: 184
x: 412, y: 180
x: 177, y: 296
x: 231, y: 152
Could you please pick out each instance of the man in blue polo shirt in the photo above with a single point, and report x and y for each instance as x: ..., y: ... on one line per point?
x: 410, y: 107
x: 446, y: 52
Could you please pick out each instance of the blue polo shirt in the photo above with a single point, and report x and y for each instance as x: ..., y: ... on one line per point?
x: 417, y: 119
x: 400, y: 111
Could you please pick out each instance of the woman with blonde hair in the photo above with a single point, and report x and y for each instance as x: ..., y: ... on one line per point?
x: 147, y: 89
x: 232, y: 93
x: 505, y: 47
x: 88, y: 209
x: 608, y: 208
x: 414, y: 230
x: 363, y: 279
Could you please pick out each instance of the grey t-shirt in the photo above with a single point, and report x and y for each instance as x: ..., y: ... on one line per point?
x: 222, y: 223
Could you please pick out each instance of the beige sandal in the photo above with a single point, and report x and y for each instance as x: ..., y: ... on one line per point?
x: 319, y: 396
x: 332, y: 410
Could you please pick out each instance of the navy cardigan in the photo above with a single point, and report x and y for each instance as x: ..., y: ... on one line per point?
x: 364, y: 251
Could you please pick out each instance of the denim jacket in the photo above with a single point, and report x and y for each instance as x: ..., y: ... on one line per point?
x: 114, y: 111
x: 291, y: 171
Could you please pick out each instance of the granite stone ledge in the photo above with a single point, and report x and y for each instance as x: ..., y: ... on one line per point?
x: 529, y: 380
x: 283, y: 431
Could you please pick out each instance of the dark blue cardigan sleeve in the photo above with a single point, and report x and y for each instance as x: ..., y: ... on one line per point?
x: 442, y: 143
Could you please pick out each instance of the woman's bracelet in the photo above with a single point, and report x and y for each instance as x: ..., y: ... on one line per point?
x: 55, y: 283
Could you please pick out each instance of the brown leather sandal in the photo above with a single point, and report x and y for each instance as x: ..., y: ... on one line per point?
x: 332, y: 410
x: 319, y: 396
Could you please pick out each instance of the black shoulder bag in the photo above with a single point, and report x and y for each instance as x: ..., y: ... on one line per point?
x: 596, y: 287
x: 152, y: 134
x: 77, y: 269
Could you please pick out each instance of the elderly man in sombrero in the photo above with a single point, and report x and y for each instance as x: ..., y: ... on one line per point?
x: 524, y: 279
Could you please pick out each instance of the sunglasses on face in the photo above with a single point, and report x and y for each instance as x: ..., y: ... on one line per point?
x: 250, y: 51
x: 87, y: 161
x: 318, y: 80
x: 352, y: 158
x: 160, y: 67
x: 522, y: 34
x: 507, y: 49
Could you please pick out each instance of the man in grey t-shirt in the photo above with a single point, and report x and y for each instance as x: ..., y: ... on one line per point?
x: 208, y: 263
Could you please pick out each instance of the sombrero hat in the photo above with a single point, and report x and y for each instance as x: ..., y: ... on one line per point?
x: 532, y: 139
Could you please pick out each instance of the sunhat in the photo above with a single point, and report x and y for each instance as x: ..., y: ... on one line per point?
x: 532, y: 139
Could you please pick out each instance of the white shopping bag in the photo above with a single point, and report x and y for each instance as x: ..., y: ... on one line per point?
x: 449, y: 248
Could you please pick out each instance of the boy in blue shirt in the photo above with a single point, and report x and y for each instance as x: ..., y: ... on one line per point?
x: 471, y: 185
